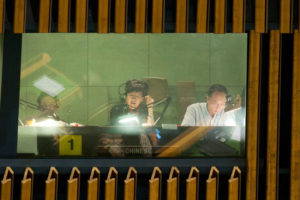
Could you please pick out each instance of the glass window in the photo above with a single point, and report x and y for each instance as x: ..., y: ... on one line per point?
x: 140, y: 95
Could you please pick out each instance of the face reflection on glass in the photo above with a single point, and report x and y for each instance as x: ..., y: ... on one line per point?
x: 216, y: 103
x: 134, y: 99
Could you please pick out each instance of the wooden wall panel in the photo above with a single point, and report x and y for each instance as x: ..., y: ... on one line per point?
x: 111, y: 184
x: 173, y: 184
x: 158, y: 8
x: 51, y: 185
x: 220, y: 16
x: 120, y: 16
x: 273, y: 116
x: 94, y: 185
x: 234, y: 184
x: 181, y: 16
x: 27, y: 184
x: 19, y: 16
x: 202, y: 17
x: 286, y: 16
x: 81, y: 16
x: 140, y: 25
x: 63, y: 24
x: 7, y: 184
x: 192, y: 184
x: 253, y: 116
x: 45, y: 16
x: 74, y: 185
x: 212, y: 184
x: 261, y: 16
x: 295, y: 137
x: 103, y: 16
x: 2, y: 18
x: 130, y: 184
x: 155, y: 184
x: 238, y: 16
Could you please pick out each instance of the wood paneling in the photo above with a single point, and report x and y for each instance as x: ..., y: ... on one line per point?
x: 202, y: 19
x: 212, y: 184
x: 286, y: 16
x: 173, y: 184
x: 140, y: 16
x: 295, y: 137
x: 45, y: 16
x: 7, y: 184
x: 253, y: 116
x: 238, y: 16
x: 2, y: 18
x: 111, y: 184
x: 261, y: 16
x: 103, y: 16
x: 27, y: 184
x: 19, y: 16
x: 81, y: 16
x: 234, y: 184
x: 130, y: 184
x: 51, y: 184
x: 192, y: 184
x: 74, y: 184
x: 158, y: 7
x: 120, y: 16
x: 63, y: 25
x: 273, y: 116
x: 220, y: 16
x: 181, y: 16
x: 155, y: 184
x: 94, y: 185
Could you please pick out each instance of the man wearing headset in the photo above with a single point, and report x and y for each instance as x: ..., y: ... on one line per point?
x: 210, y: 113
x: 137, y: 104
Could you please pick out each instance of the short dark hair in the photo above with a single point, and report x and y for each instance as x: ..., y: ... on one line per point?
x: 216, y: 88
x: 136, y: 86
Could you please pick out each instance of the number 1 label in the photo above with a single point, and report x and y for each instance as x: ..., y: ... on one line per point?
x: 70, y: 145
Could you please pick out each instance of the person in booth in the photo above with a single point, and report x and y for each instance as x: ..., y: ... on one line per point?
x: 211, y: 112
x: 136, y: 109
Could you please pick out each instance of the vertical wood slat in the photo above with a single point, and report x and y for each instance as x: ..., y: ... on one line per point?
x: 74, y: 184
x: 220, y: 16
x: 103, y: 16
x: 45, y: 16
x: 295, y: 135
x: 212, y: 184
x: 27, y: 184
x: 261, y: 8
x: 63, y: 24
x: 120, y: 16
x: 286, y: 16
x: 155, y: 184
x: 192, y: 184
x: 111, y: 184
x: 234, y: 184
x: 173, y: 184
x: 130, y: 184
x: 51, y: 185
x: 202, y: 18
x: 140, y: 16
x: 273, y: 116
x: 2, y: 18
x: 19, y: 16
x: 93, y: 185
x: 81, y: 16
x: 181, y: 16
x: 253, y: 116
x: 7, y: 184
x: 238, y: 16
x: 158, y: 9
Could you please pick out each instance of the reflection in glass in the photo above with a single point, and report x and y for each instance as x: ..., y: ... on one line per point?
x: 161, y: 95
